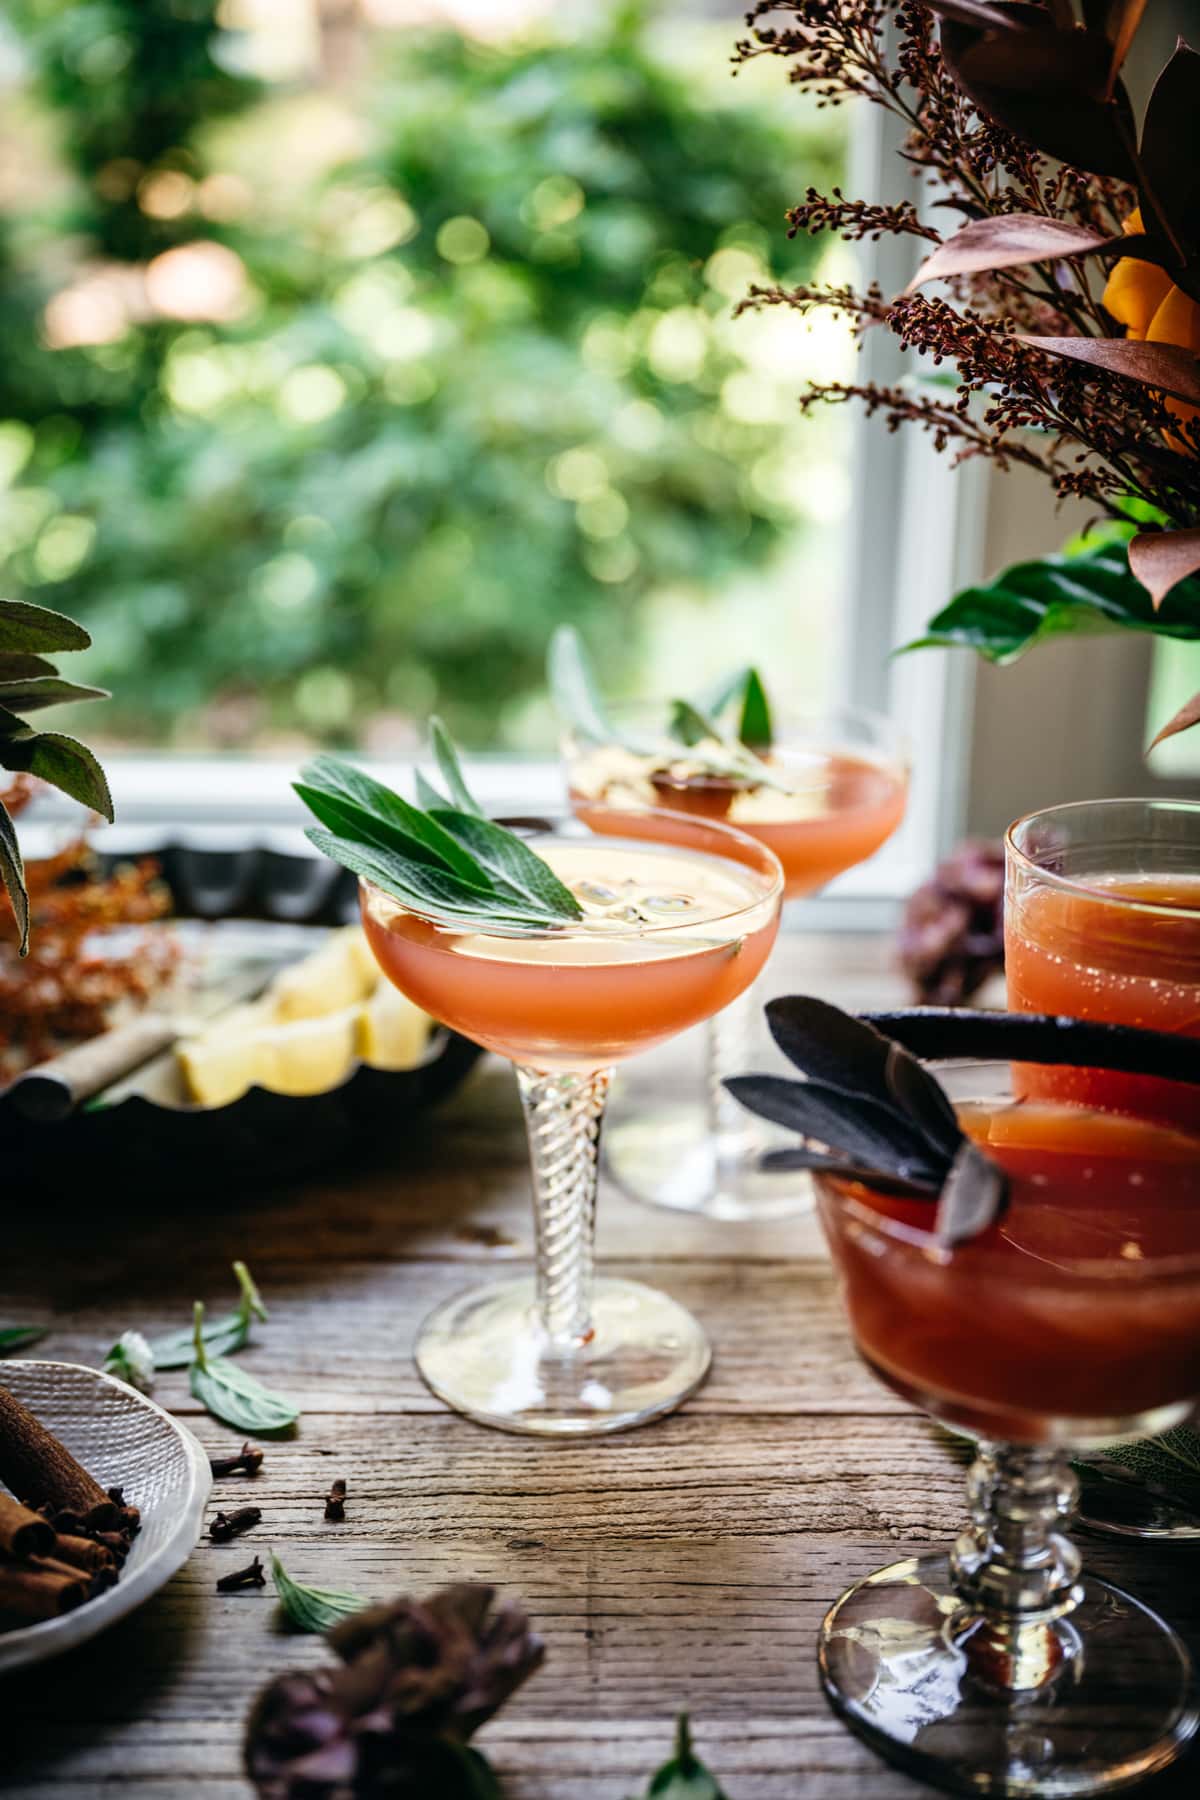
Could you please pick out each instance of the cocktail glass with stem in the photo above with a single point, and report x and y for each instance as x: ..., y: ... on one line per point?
x: 1072, y: 1321
x: 842, y: 787
x: 674, y: 928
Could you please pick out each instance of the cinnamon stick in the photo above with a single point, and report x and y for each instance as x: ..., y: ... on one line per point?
x: 82, y: 1553
x: 41, y: 1470
x: 32, y: 1594
x: 22, y: 1532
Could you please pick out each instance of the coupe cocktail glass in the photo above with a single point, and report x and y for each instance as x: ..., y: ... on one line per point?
x: 674, y: 928
x: 848, y: 783
x: 1102, y: 920
x: 1072, y: 1321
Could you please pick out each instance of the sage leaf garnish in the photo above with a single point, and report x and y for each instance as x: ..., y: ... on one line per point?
x: 309, y: 1608
x: 176, y: 1349
x: 20, y: 1337
x: 228, y: 1393
x: 684, y: 1777
x: 868, y: 1111
x: 131, y: 1360
x: 442, y: 858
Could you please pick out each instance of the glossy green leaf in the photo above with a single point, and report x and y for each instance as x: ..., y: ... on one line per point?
x: 25, y: 627
x: 12, y: 871
x: 754, y: 728
x: 1031, y: 601
x: 19, y: 665
x: 310, y: 1608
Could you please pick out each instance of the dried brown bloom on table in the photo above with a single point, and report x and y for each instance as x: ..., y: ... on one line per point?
x: 952, y: 934
x: 418, y: 1679
x: 70, y: 984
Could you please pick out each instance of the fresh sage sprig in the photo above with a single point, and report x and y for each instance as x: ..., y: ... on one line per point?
x: 309, y: 1608
x: 175, y: 1349
x: 20, y: 1337
x: 442, y: 857
x: 231, y: 1395
x: 684, y: 1777
x: 698, y: 727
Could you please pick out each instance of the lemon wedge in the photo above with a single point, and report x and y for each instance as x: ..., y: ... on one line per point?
x: 220, y: 1064
x: 338, y: 975
x: 300, y: 1056
x: 392, y: 1032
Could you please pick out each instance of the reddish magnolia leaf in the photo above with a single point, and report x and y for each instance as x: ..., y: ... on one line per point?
x: 1170, y: 158
x: 1163, y: 366
x: 1187, y: 716
x: 1049, y: 88
x: 1007, y: 242
x: 1118, y: 20
x: 1161, y: 559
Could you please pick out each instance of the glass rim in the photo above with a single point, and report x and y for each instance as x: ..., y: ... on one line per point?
x: 760, y: 852
x: 1091, y: 890
x: 894, y: 744
x: 1173, y: 1266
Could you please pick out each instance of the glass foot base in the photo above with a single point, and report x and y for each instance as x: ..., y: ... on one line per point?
x: 669, y: 1158
x: 484, y: 1353
x: 894, y: 1659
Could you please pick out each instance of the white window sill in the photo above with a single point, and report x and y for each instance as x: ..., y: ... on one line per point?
x: 215, y: 802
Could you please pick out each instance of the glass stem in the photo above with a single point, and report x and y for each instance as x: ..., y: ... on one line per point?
x: 1015, y: 1569
x: 563, y: 1115
x: 728, y: 1039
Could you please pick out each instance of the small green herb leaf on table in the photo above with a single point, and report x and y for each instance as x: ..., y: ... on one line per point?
x: 176, y: 1349
x: 309, y: 1608
x: 230, y: 1394
x: 20, y: 1337
x: 684, y: 1777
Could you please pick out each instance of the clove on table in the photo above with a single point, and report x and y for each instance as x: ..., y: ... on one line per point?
x: 230, y: 1525
x: 335, y: 1503
x: 248, y: 1458
x: 253, y: 1575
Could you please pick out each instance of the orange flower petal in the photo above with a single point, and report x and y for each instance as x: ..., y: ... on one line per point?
x: 1134, y: 294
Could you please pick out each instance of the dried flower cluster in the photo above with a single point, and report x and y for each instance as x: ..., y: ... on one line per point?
x: 1017, y: 122
x: 952, y: 935
x: 66, y: 989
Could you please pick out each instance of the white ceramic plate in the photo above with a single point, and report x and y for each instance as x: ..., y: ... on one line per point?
x: 124, y: 1440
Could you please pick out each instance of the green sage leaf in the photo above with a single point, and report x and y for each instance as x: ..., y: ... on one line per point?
x: 20, y: 1337
x: 1171, y: 1461
x: 12, y: 871
x: 176, y: 1349
x: 574, y: 688
x: 232, y: 1395
x: 451, y: 768
x: 350, y: 795
x: 25, y: 627
x: 441, y: 897
x: 689, y: 726
x: 52, y: 756
x: 508, y: 859
x: 309, y: 1608
x: 429, y: 796
x: 30, y: 693
x: 684, y: 1777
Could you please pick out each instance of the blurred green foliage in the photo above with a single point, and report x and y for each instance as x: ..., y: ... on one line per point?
x: 472, y: 380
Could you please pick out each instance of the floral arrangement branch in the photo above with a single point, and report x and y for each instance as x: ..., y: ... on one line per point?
x: 1016, y: 119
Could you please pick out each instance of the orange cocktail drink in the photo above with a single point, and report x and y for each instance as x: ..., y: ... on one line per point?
x: 824, y: 797
x: 1050, y: 1314
x: 675, y: 922
x: 1102, y: 921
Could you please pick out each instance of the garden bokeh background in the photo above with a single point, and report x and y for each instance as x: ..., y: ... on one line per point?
x: 351, y: 345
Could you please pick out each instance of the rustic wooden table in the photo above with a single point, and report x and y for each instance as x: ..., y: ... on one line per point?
x: 688, y: 1563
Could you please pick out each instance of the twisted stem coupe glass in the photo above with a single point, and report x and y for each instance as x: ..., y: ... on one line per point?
x: 676, y: 923
x: 1003, y: 1667
x: 840, y: 790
